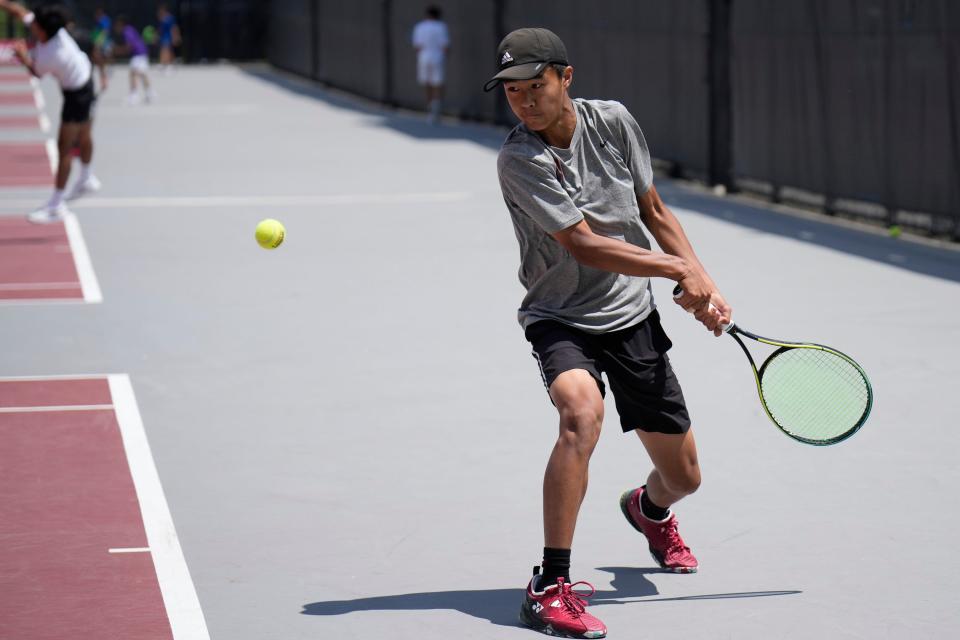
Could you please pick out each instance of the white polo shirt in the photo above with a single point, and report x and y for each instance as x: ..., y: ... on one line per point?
x: 61, y: 57
x: 431, y: 37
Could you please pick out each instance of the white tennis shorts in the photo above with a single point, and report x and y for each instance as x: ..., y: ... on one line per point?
x: 140, y: 64
x: 430, y: 70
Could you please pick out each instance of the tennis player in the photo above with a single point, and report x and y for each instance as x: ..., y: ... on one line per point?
x: 431, y: 40
x: 169, y: 37
x: 57, y: 54
x: 577, y: 180
x: 134, y: 46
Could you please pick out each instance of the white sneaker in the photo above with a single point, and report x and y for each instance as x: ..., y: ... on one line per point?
x: 151, y: 96
x: 90, y: 185
x: 49, y: 215
x: 133, y: 99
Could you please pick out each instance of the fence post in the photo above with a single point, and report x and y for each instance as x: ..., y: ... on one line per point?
x: 500, y: 115
x: 315, y: 39
x: 823, y: 89
x: 386, y: 11
x: 721, y: 112
x: 953, y: 103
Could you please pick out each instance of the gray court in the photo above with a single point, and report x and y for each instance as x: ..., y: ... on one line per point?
x: 351, y: 432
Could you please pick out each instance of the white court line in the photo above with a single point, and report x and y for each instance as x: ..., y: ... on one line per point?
x: 81, y: 258
x: 37, y: 95
x: 44, y: 123
x: 64, y: 376
x: 37, y: 286
x: 178, y: 110
x: 66, y: 407
x: 53, y: 155
x: 176, y: 586
x: 29, y: 302
x: 130, y: 550
x: 255, y: 201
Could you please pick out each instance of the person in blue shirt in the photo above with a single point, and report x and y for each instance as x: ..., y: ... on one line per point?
x: 102, y: 32
x: 169, y: 37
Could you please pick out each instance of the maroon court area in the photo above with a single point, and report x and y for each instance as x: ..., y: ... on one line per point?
x: 36, y: 262
x: 16, y: 99
x: 19, y: 122
x: 25, y: 164
x: 67, y: 499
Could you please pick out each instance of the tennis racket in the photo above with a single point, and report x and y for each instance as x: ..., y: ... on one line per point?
x: 813, y: 393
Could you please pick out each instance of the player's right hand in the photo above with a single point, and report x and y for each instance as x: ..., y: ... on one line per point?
x: 706, y: 304
x: 696, y: 292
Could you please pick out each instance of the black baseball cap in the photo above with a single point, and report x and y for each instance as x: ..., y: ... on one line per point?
x: 524, y: 54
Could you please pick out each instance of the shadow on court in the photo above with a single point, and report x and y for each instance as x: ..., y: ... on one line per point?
x: 409, y: 123
x: 919, y: 258
x: 500, y: 606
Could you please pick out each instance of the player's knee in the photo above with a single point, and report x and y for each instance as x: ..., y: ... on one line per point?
x: 580, y: 427
x: 684, y: 481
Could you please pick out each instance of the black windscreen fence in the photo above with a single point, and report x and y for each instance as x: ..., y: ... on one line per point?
x: 851, y: 101
x: 851, y: 106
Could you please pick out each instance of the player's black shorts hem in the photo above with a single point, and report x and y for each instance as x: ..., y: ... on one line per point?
x: 78, y: 104
x: 644, y: 386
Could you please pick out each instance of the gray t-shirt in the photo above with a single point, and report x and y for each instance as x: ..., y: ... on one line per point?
x: 547, y: 189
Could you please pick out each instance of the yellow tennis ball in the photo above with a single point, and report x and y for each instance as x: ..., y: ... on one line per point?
x: 894, y: 231
x: 270, y: 233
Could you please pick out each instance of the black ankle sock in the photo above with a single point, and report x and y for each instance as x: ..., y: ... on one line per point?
x: 651, y: 510
x: 556, y: 564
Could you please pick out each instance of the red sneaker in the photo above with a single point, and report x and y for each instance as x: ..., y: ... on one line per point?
x: 560, y: 611
x: 666, y: 545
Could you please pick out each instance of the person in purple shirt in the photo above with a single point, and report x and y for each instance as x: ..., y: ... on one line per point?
x: 133, y: 45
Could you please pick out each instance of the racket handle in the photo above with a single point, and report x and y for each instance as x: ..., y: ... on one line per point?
x: 678, y: 291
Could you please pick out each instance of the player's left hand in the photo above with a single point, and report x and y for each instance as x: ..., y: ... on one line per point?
x: 723, y: 314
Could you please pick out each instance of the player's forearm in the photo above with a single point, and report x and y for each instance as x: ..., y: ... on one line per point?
x: 669, y: 234
x: 14, y: 9
x: 618, y: 256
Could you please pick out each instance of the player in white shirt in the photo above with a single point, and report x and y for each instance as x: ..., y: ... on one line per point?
x: 57, y: 54
x: 432, y: 42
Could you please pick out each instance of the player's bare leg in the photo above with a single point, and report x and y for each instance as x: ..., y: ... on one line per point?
x: 67, y: 139
x: 87, y: 182
x: 580, y: 405
x: 56, y: 209
x: 86, y: 142
x: 550, y: 605
x: 134, y: 96
x: 166, y: 57
x: 676, y: 471
x: 676, y: 474
x: 434, y: 102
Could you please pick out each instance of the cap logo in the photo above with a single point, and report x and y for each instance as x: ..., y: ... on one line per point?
x: 506, y: 58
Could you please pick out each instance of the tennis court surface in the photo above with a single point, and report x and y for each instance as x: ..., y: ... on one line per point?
x: 345, y: 437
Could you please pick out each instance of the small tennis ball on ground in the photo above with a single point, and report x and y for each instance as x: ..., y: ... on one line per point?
x: 894, y: 231
x: 270, y: 233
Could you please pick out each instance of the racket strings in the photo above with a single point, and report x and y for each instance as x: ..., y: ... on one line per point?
x: 814, y: 394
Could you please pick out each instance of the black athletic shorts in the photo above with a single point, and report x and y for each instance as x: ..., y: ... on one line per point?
x: 646, y: 391
x: 78, y: 103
